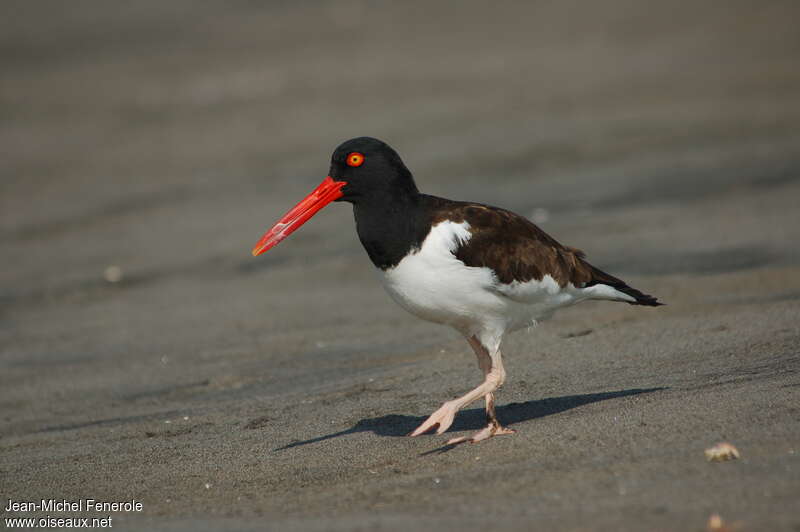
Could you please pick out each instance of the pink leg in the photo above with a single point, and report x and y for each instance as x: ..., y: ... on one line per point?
x: 494, y: 376
x: 493, y: 428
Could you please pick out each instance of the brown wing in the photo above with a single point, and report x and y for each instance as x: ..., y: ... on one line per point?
x: 513, y: 247
x: 517, y: 250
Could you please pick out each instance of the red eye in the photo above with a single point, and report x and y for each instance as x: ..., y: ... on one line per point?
x: 355, y: 159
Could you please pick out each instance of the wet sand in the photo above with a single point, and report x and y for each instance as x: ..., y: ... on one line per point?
x: 227, y: 392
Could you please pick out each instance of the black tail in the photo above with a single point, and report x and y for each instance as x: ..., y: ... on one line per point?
x: 601, y: 277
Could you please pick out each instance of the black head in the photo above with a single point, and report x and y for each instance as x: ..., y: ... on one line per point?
x: 372, y: 170
x: 364, y: 171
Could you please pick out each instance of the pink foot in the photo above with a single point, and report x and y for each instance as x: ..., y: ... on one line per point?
x: 442, y: 418
x: 492, y: 429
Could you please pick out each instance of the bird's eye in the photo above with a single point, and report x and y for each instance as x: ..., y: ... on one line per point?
x: 355, y: 159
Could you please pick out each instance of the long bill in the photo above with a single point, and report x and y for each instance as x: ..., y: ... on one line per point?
x: 326, y: 192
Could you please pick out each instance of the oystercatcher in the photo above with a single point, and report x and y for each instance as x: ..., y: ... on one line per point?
x: 482, y: 270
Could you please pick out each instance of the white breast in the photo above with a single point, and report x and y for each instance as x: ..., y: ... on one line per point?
x: 434, y: 285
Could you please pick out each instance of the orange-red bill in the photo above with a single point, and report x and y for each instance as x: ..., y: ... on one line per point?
x: 326, y: 192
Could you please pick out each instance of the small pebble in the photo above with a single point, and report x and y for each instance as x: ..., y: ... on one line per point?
x: 113, y: 274
x: 715, y: 523
x: 721, y: 452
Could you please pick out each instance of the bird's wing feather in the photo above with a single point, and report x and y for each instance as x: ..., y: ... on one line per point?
x: 513, y: 247
x: 516, y: 250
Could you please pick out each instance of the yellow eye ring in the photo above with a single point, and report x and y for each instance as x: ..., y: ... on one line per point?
x: 355, y: 159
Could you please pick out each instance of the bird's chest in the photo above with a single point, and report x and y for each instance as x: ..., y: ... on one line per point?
x: 434, y: 285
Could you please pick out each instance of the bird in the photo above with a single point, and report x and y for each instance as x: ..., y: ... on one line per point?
x: 482, y: 270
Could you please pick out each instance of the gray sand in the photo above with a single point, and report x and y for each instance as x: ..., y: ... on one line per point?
x: 227, y: 392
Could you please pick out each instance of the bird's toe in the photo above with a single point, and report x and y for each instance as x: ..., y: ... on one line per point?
x: 439, y: 420
x: 485, y: 433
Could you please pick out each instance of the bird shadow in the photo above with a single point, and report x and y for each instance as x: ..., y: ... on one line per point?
x: 475, y: 418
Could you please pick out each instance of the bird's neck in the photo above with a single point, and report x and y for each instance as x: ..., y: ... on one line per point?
x: 390, y: 226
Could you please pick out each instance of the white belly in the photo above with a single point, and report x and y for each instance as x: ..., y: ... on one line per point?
x: 434, y: 285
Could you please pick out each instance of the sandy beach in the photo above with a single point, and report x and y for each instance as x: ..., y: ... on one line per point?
x: 145, y: 355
